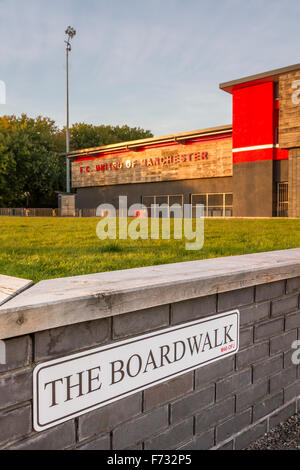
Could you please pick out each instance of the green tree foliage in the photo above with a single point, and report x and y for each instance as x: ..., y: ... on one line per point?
x: 86, y: 135
x: 31, y: 168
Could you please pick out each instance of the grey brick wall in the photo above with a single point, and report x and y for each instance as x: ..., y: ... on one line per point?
x: 225, y: 405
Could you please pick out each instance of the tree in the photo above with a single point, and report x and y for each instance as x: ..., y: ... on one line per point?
x: 86, y: 135
x: 30, y: 168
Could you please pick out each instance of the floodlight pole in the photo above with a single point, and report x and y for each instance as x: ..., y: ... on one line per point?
x: 68, y: 123
x: 71, y: 33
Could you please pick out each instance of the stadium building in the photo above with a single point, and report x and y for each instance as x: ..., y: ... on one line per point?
x: 248, y: 169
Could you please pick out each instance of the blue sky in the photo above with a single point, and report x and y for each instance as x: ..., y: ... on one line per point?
x: 156, y: 64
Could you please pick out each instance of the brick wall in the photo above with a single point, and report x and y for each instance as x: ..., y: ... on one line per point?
x: 226, y: 405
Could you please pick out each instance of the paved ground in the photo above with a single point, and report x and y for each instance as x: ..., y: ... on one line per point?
x: 286, y: 436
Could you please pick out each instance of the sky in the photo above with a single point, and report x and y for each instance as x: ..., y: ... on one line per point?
x: 155, y: 64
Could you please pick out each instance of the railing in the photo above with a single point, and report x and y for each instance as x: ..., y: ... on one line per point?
x: 22, y: 212
x: 282, y: 200
x: 41, y: 212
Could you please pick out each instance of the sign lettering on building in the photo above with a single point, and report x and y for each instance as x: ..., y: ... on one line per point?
x: 72, y: 386
x: 146, y: 163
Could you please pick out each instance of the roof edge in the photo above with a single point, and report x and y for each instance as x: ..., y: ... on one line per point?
x: 132, y: 144
x: 228, y: 86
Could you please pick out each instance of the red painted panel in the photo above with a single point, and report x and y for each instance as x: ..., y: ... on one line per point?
x: 253, y: 155
x: 260, y: 155
x: 280, y: 154
x: 253, y: 115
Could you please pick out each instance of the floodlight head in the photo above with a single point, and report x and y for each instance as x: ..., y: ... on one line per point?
x: 71, y: 32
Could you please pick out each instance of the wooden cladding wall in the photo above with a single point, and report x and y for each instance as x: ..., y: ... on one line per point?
x: 289, y: 112
x: 180, y: 162
x: 294, y: 183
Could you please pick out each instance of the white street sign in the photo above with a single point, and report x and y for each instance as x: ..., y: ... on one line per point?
x: 72, y: 386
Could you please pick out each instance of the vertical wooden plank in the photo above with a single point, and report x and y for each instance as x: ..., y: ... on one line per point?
x: 294, y: 183
x: 289, y: 111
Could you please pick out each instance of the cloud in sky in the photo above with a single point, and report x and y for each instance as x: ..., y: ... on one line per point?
x: 150, y: 63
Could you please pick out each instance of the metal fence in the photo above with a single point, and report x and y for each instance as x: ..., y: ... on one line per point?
x: 22, y: 212
x: 282, y: 199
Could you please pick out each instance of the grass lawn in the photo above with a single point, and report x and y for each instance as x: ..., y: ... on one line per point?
x: 44, y: 248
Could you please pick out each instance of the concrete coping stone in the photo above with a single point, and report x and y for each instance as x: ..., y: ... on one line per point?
x: 59, y: 302
x: 11, y: 287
